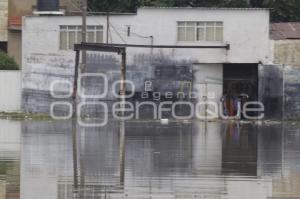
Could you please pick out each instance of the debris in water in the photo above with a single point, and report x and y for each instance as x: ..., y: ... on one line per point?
x: 164, y: 121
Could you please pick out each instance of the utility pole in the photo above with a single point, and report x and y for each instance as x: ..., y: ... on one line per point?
x: 84, y: 14
x: 107, y: 27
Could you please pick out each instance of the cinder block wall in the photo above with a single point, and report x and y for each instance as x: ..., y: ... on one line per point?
x: 287, y: 52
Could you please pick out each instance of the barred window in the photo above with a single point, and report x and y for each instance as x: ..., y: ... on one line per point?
x: 70, y: 35
x: 200, y: 31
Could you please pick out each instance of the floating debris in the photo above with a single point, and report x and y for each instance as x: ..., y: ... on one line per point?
x: 164, y: 121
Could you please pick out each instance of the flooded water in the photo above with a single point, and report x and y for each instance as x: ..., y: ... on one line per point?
x: 145, y: 159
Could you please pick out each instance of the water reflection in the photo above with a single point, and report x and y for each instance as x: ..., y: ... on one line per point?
x: 10, y: 134
x: 239, y: 152
x: 145, y: 159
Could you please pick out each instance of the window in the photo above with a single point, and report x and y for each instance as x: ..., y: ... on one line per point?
x: 70, y: 35
x: 200, y: 31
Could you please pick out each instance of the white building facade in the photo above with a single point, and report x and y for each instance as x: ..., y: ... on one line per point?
x: 48, y: 49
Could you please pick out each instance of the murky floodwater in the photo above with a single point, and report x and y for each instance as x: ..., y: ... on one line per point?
x: 149, y: 160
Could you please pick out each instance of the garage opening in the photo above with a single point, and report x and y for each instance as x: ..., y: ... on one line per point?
x: 240, y: 83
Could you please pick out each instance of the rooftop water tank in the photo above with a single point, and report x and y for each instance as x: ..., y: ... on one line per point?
x: 47, y: 5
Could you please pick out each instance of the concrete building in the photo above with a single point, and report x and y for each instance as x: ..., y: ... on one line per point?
x: 285, y: 41
x: 3, y: 25
x: 14, y: 10
x: 48, y: 42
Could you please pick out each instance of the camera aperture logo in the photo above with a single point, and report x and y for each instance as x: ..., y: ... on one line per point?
x: 203, y: 109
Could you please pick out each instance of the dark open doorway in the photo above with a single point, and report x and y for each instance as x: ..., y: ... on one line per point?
x: 241, y: 79
x: 240, y: 85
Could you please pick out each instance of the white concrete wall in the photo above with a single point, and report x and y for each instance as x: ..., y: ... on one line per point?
x: 246, y: 30
x: 10, y: 91
x: 208, y: 83
x: 10, y: 139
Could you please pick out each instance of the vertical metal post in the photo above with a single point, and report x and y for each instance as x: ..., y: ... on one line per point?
x: 83, y: 39
x: 75, y: 157
x: 123, y: 77
x: 283, y: 92
x: 152, y: 43
x: 122, y: 152
x: 74, y: 121
x: 81, y: 163
x: 206, y: 98
x: 83, y: 66
x: 75, y: 83
x: 107, y: 27
x: 122, y: 122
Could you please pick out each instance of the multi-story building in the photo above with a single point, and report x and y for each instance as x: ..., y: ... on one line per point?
x: 15, y: 10
x: 236, y: 40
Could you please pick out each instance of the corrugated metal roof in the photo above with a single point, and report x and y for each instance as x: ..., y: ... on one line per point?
x: 201, y: 8
x: 281, y: 31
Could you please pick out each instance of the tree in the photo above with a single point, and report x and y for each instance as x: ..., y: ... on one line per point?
x: 7, y: 63
x: 257, y: 3
x: 114, y: 5
x: 220, y: 3
x: 281, y: 10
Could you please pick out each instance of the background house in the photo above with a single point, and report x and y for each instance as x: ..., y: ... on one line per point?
x: 3, y: 25
x: 285, y: 42
x: 15, y: 10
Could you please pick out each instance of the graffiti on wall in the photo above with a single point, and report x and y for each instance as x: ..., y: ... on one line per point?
x: 165, y: 74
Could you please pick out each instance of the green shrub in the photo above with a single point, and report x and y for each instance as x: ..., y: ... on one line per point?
x: 7, y: 63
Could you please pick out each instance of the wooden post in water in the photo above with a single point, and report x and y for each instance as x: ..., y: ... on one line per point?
x: 84, y: 32
x: 123, y: 78
x: 75, y: 156
x: 122, y: 152
x: 122, y: 122
x: 75, y: 83
x: 74, y: 121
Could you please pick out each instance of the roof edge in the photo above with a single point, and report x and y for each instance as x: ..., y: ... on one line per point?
x: 203, y: 8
